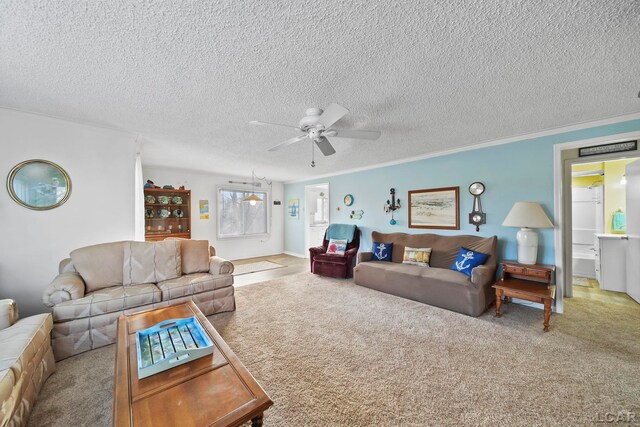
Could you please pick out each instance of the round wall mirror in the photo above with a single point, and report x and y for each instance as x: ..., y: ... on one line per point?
x: 39, y: 184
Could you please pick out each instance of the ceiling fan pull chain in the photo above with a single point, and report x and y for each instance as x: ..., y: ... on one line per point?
x: 313, y: 155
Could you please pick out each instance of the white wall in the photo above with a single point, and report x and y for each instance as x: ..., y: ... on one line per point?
x: 100, y: 163
x: 203, y: 187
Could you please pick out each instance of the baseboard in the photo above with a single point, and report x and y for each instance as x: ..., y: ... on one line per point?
x: 294, y: 254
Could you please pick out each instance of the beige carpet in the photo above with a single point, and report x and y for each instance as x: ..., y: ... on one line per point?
x: 332, y: 353
x: 254, y: 267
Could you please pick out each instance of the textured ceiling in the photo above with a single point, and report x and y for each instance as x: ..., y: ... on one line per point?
x: 431, y: 75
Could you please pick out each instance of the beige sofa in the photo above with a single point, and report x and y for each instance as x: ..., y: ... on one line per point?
x: 99, y: 283
x: 435, y: 285
x: 26, y: 361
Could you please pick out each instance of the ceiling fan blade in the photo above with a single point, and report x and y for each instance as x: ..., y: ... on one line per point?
x: 256, y: 122
x: 354, y: 134
x: 332, y: 114
x: 325, y: 146
x: 289, y: 142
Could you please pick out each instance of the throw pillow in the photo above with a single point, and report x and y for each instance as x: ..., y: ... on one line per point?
x: 382, y: 251
x: 467, y: 260
x: 336, y: 247
x: 417, y: 256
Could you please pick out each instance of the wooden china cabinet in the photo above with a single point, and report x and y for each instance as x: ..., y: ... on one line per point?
x: 167, y: 213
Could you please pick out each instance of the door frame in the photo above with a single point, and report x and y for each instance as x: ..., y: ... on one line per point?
x: 565, y: 155
x: 307, y: 218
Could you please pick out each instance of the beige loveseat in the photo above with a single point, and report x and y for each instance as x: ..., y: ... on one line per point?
x: 435, y: 285
x: 26, y: 361
x: 99, y: 283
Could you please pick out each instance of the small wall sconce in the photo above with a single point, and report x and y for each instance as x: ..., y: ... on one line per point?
x: 392, y: 205
x: 477, y: 217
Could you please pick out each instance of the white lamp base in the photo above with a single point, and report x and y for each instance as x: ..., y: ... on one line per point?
x: 527, y: 246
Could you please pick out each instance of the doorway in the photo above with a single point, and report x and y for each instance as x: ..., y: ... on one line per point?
x: 316, y: 214
x: 598, y: 205
x: 566, y: 155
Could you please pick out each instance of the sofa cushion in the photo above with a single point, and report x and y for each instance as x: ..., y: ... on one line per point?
x: 26, y: 362
x: 107, y: 300
x: 190, y: 284
x: 330, y: 259
x: 21, y: 341
x: 467, y: 260
x: 99, y: 265
x: 151, y: 262
x: 195, y: 256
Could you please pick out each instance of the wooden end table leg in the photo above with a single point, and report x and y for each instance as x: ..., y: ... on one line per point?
x: 547, y: 314
x: 257, y: 421
x: 498, y: 302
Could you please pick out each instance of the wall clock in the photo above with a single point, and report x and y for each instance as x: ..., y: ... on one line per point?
x: 348, y: 200
x: 477, y: 217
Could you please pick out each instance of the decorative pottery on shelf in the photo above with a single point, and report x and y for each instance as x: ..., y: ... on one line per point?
x: 148, y: 213
x: 178, y: 213
x: 164, y: 200
x: 177, y: 200
x: 149, y: 199
x: 164, y: 213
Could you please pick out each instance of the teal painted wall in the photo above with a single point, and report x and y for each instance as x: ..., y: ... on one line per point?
x: 521, y: 170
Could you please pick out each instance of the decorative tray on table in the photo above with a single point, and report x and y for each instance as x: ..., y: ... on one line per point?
x: 169, y: 344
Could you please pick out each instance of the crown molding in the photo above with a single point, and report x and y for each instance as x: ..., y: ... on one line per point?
x: 484, y: 144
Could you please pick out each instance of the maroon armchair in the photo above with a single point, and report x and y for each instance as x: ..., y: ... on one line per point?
x: 339, y: 266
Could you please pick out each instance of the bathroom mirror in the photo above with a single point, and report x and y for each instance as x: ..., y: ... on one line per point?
x: 39, y: 184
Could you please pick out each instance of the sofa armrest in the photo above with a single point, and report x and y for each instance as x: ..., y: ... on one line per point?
x: 316, y: 250
x: 483, y: 275
x: 8, y: 313
x: 65, y: 287
x: 220, y: 266
x: 351, y: 253
x: 365, y: 256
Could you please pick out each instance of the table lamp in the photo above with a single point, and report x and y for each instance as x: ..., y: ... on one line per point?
x: 527, y: 215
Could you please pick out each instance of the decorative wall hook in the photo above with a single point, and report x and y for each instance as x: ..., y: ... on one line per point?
x: 392, y: 205
x: 356, y: 214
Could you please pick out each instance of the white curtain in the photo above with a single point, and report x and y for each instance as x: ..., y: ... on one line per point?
x: 139, y: 202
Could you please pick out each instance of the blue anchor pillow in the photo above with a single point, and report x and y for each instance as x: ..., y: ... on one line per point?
x: 467, y: 260
x: 382, y: 251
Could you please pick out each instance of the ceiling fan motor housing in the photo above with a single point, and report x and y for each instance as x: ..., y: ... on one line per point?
x: 311, y: 118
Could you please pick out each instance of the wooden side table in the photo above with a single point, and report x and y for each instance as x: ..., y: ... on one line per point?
x: 533, y: 283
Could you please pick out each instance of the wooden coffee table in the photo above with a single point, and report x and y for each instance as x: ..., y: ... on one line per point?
x: 215, y: 390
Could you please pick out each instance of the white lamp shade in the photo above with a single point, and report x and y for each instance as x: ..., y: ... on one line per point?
x: 527, y: 214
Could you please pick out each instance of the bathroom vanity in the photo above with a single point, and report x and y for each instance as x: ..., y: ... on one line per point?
x: 612, y: 251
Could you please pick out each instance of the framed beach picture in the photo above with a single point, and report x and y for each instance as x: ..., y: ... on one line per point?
x: 435, y: 208
x: 293, y: 208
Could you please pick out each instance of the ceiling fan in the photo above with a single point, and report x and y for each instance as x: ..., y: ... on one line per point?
x: 316, y: 126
